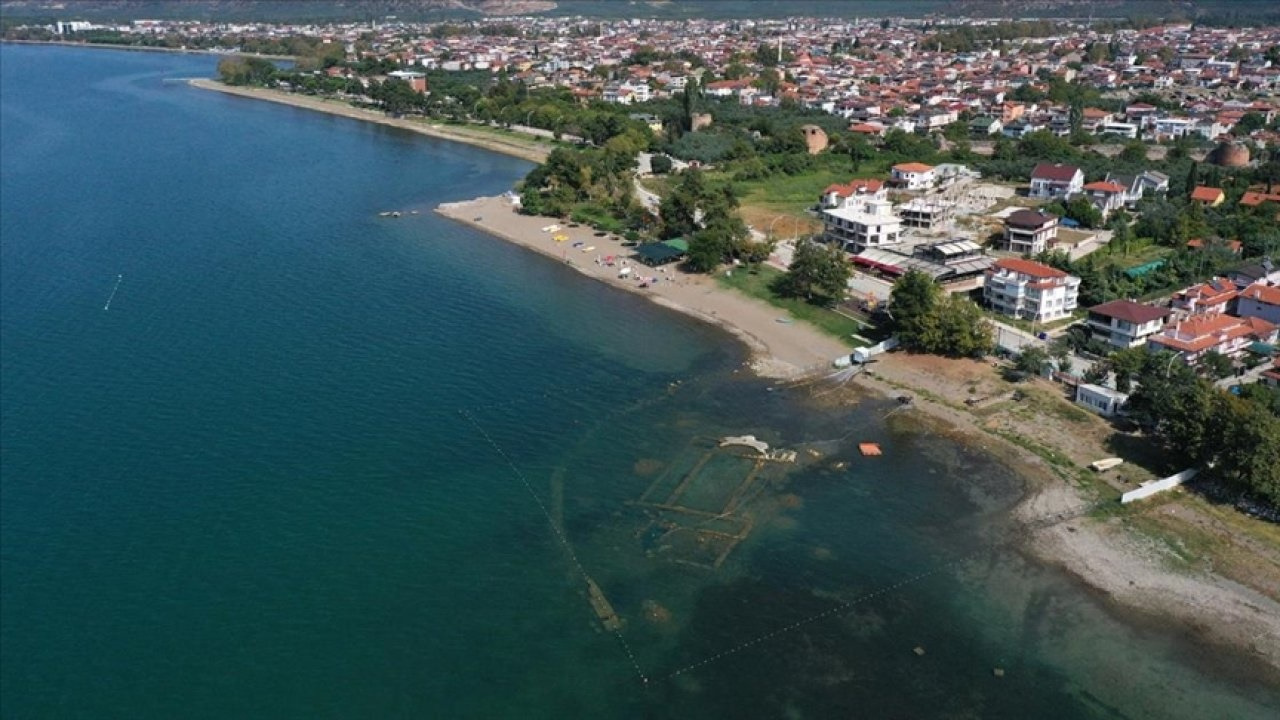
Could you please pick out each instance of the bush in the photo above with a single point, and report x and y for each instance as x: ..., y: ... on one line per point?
x: 660, y: 164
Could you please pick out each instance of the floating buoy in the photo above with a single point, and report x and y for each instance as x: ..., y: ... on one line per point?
x: 870, y: 449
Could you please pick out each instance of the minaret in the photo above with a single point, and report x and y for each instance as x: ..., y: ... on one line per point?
x: 779, y: 49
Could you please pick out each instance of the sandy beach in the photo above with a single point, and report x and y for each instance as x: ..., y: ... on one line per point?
x: 528, y: 149
x: 780, y: 348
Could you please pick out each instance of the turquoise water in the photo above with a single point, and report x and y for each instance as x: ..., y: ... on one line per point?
x: 315, y: 463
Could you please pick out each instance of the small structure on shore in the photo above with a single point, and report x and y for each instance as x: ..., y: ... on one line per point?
x: 870, y: 449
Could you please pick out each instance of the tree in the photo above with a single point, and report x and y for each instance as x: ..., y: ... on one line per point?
x: 1135, y: 151
x: 965, y: 332
x: 241, y: 70
x: 816, y: 266
x: 1249, y: 123
x: 1127, y: 363
x: 1216, y: 365
x: 660, y: 164
x: 1032, y: 360
x: 1249, y: 447
x: 912, y: 303
x: 927, y: 321
x: 1060, y: 351
x: 679, y: 208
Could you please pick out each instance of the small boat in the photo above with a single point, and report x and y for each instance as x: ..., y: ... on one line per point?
x: 1105, y: 464
x: 588, y: 248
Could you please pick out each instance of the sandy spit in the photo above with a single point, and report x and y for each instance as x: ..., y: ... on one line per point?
x: 529, y: 150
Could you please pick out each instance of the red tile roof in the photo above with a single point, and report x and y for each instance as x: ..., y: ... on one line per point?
x: 853, y: 186
x: 1029, y: 267
x: 1206, y: 194
x: 1268, y: 294
x: 912, y: 167
x: 1130, y: 311
x: 1103, y: 186
x: 1056, y: 172
x: 1254, y: 199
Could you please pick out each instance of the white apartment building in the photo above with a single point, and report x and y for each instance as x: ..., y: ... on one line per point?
x: 912, y: 176
x: 865, y: 223
x: 1031, y: 291
x: 1125, y: 323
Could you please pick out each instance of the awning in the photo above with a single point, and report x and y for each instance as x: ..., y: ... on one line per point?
x: 658, y: 253
x: 1261, y: 348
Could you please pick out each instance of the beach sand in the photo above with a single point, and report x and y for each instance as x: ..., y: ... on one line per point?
x: 530, y: 149
x: 779, y: 349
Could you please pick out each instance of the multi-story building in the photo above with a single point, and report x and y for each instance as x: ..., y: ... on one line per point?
x: 1053, y: 180
x: 1260, y: 301
x: 1211, y: 298
x: 1125, y: 323
x: 1195, y: 337
x: 912, y: 176
x: 865, y: 223
x: 852, y: 192
x: 1029, y: 232
x: 1030, y: 290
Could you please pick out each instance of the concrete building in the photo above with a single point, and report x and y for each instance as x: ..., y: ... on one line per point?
x: 1260, y: 301
x: 924, y: 213
x: 1106, y: 196
x: 1193, y: 338
x: 1211, y: 298
x: 837, y: 195
x: 866, y: 223
x: 1030, y: 232
x: 1102, y: 400
x: 912, y: 176
x: 1125, y: 323
x: 1030, y: 290
x: 1052, y: 180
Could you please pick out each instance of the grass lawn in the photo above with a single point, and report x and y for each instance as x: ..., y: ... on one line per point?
x: 757, y: 284
x: 1028, y: 326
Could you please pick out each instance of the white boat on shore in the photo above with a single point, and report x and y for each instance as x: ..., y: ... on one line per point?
x: 1105, y: 464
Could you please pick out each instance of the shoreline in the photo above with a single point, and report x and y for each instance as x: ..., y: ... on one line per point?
x: 1106, y: 559
x: 144, y: 48
x: 1119, y: 565
x: 530, y: 150
x: 779, y: 350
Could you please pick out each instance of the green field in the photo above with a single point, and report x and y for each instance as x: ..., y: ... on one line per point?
x: 758, y: 283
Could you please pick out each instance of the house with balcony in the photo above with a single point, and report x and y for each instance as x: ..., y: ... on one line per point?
x: 840, y: 195
x: 1031, y: 291
x: 1106, y: 196
x: 865, y: 223
x: 1030, y: 232
x: 1054, y: 180
x: 1211, y: 298
x: 912, y: 176
x: 1193, y: 338
x: 1125, y: 323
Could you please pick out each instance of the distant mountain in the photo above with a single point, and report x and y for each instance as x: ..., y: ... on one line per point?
x: 436, y: 10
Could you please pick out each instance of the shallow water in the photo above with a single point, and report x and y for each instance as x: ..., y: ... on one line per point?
x: 317, y: 463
